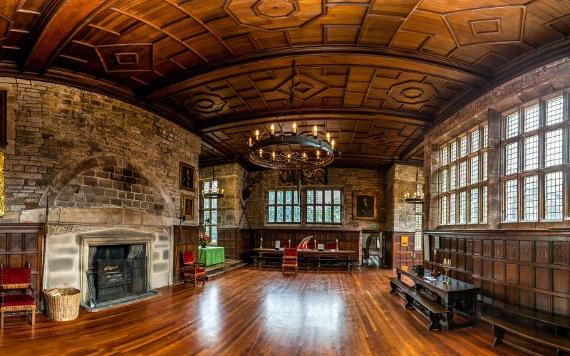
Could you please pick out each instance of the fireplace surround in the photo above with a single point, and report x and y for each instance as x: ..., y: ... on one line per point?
x: 71, y: 251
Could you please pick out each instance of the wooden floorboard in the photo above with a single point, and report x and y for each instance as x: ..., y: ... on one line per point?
x: 259, y: 312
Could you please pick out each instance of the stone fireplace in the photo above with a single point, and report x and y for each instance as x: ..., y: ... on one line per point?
x: 114, y: 266
x: 116, y: 272
x: 109, y: 265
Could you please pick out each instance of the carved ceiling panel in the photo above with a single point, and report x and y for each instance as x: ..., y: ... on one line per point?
x: 366, y: 87
x: 205, y: 63
x: 375, y: 141
x: 17, y: 20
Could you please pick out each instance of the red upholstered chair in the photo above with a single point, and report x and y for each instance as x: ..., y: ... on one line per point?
x: 289, y: 260
x: 330, y: 246
x: 17, y: 279
x: 191, y: 269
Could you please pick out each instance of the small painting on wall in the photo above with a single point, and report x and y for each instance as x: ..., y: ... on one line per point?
x: 186, y: 207
x: 186, y: 177
x: 364, y: 206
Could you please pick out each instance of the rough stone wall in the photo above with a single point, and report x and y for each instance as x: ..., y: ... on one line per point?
x: 351, y: 180
x: 119, y: 185
x: 54, y: 127
x: 402, y: 179
x: 232, y: 178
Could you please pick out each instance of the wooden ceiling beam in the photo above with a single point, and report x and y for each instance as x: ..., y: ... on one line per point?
x: 60, y: 24
x: 336, y: 114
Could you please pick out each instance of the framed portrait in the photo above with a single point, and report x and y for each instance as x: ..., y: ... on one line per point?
x: 364, y: 206
x: 186, y: 177
x: 187, y: 207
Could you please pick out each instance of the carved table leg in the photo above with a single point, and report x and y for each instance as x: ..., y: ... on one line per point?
x: 434, y: 321
x: 498, y: 333
x: 393, y: 288
x: 449, y: 314
x: 409, y: 302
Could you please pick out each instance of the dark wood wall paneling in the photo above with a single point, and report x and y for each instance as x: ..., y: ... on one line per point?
x: 394, y: 254
x: 185, y: 239
x: 347, y: 239
x: 23, y: 243
x: 530, y: 268
x: 236, y: 242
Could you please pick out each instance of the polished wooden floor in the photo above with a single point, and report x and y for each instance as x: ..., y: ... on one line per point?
x: 258, y: 312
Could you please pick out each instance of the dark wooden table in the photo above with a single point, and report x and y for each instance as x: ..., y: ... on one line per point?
x: 316, y: 256
x: 457, y: 296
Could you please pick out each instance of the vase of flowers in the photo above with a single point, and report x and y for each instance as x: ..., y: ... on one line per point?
x: 204, y: 239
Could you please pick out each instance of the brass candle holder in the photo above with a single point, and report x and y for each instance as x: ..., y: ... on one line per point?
x: 446, y: 266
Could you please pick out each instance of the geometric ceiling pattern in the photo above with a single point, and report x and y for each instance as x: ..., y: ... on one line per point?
x: 374, y: 73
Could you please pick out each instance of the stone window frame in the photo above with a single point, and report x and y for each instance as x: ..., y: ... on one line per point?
x: 285, y: 205
x: 445, y: 193
x: 303, y: 206
x: 323, y: 205
x: 208, y: 225
x: 542, y: 170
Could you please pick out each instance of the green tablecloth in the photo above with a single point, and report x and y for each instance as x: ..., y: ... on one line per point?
x: 211, y: 255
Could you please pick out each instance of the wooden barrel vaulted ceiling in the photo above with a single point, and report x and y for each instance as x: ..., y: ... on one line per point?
x: 374, y: 73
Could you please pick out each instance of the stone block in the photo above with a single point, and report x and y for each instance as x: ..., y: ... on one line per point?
x: 60, y: 264
x: 160, y: 267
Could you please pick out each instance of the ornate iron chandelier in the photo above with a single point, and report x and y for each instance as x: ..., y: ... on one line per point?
x: 416, y: 198
x: 291, y: 147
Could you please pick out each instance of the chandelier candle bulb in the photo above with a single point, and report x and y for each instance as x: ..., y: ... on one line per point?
x: 272, y: 129
x: 260, y: 152
x: 257, y: 135
x: 294, y: 127
x: 315, y: 132
x: 329, y: 136
x: 273, y: 155
x: 250, y: 142
x: 332, y: 144
x: 318, y: 154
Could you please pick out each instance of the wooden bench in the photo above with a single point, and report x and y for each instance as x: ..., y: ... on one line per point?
x: 415, y: 300
x: 509, y: 319
x: 501, y: 326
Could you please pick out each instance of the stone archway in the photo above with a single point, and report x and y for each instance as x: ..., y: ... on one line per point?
x: 108, y: 180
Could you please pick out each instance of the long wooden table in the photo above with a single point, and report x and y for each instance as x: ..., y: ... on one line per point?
x: 309, y: 257
x: 456, y: 296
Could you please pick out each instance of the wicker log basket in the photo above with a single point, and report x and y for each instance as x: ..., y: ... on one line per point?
x: 62, y: 303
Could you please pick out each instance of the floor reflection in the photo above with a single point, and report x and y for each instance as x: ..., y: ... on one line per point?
x: 316, y: 311
x: 210, y: 314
